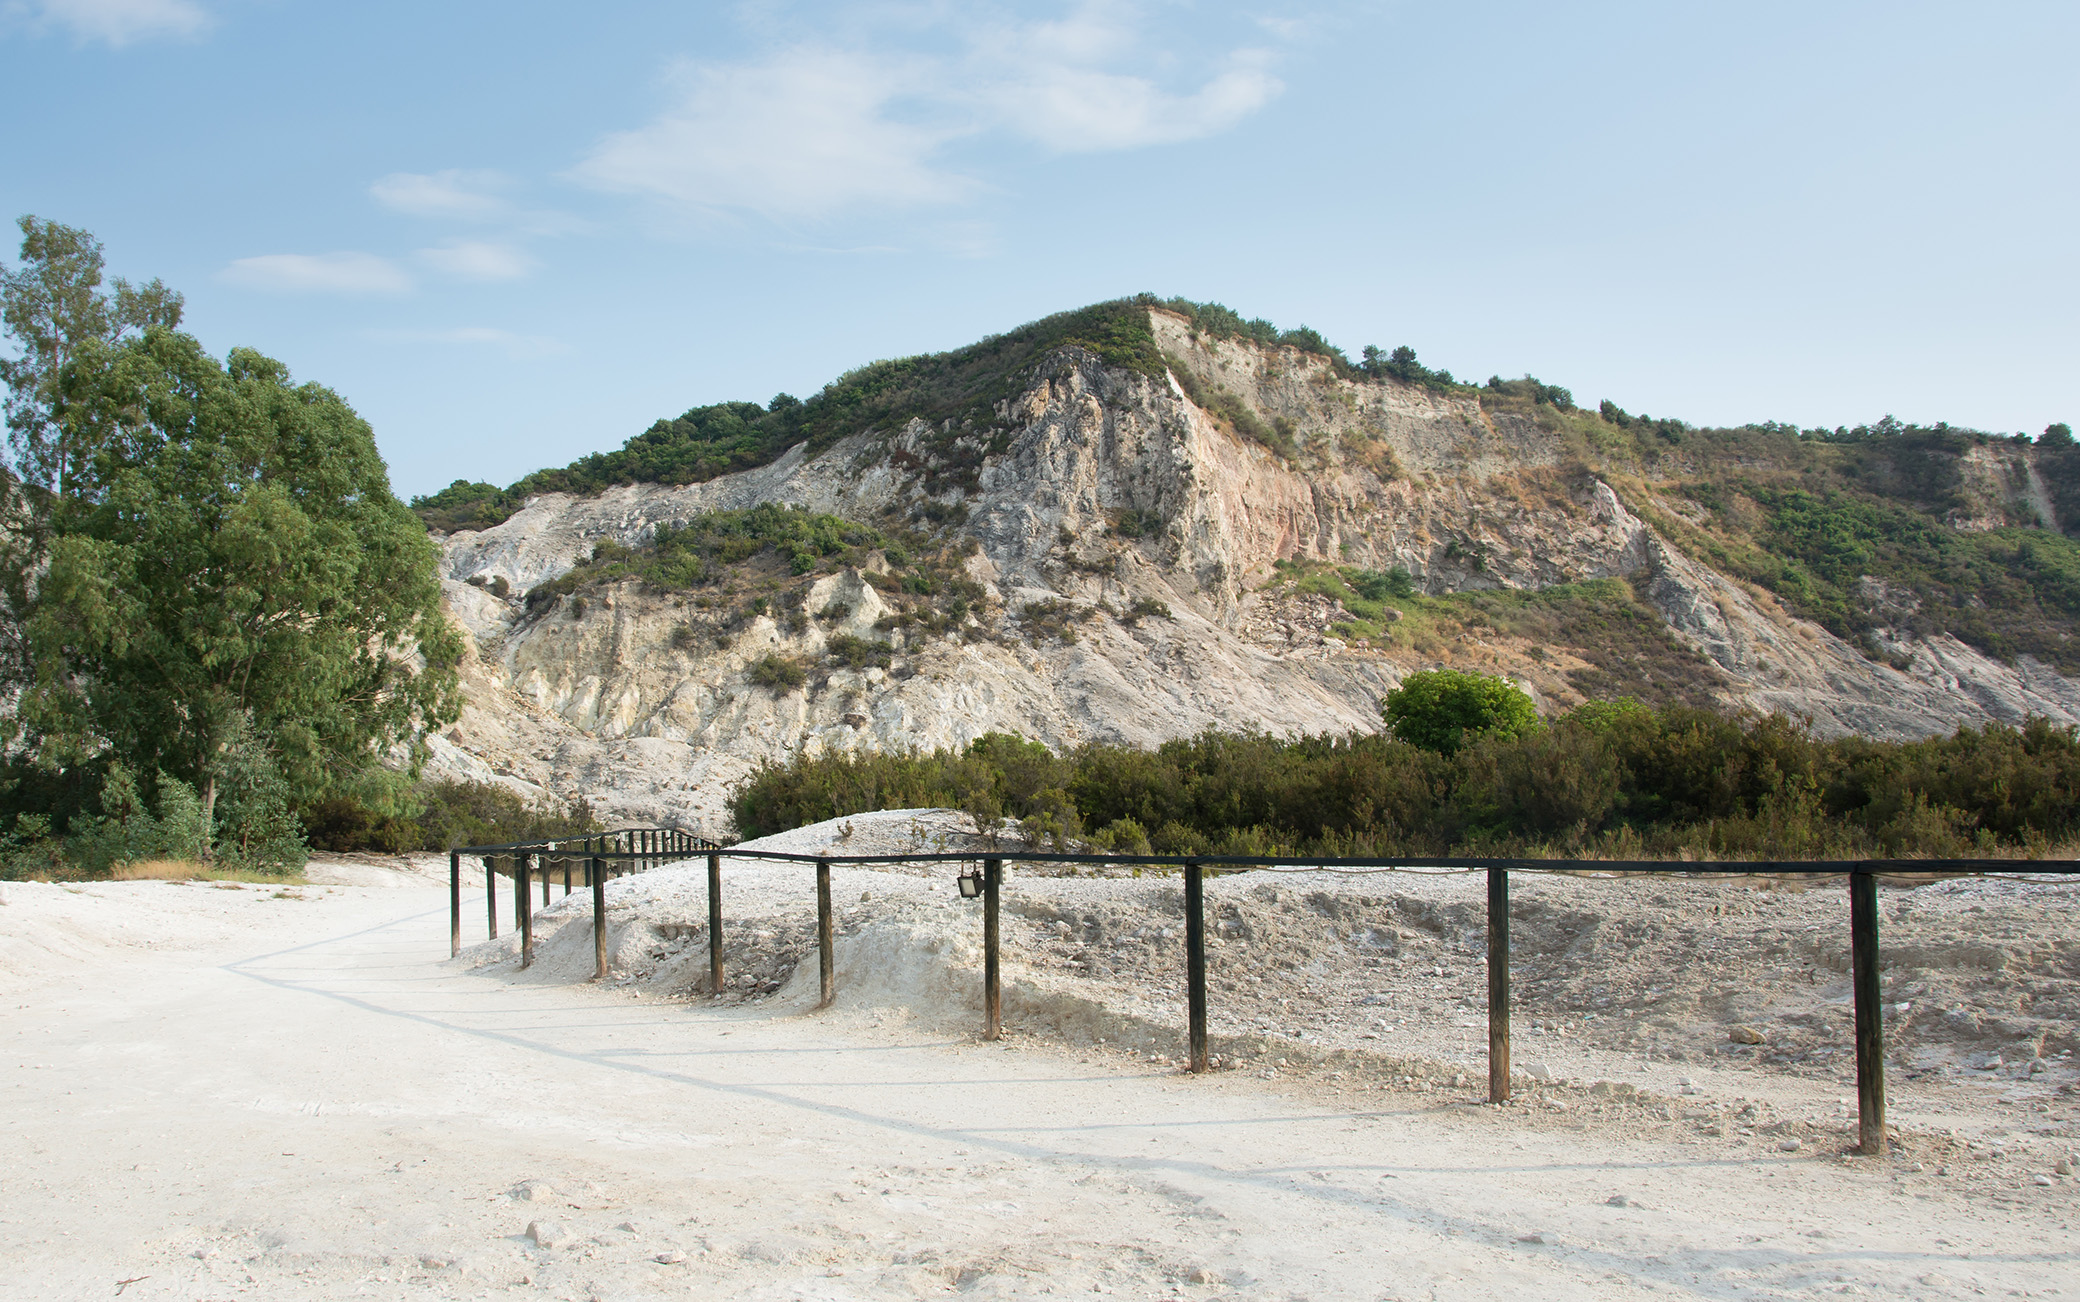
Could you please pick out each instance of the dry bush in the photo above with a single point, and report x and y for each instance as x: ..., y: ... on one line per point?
x: 157, y: 870
x: 187, y: 870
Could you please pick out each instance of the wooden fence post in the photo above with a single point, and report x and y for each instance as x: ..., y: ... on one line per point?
x: 992, y: 968
x: 714, y: 924
x: 1870, y: 1011
x: 491, y: 896
x: 599, y: 918
x: 454, y: 903
x: 826, y: 945
x: 526, y: 914
x: 1498, y: 985
x: 1195, y: 965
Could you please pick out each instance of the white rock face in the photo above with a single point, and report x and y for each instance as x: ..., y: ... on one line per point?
x: 607, y: 707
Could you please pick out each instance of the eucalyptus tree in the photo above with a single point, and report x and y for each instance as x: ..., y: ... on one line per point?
x: 228, y: 568
x: 51, y: 305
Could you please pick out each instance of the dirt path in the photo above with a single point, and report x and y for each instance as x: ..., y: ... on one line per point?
x: 296, y: 1098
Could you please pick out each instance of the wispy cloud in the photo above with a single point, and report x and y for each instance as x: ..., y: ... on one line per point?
x: 811, y: 131
x: 453, y: 193
x: 801, y: 134
x: 1077, y: 110
x: 1059, y: 84
x: 319, y: 273
x: 478, y: 260
x: 115, y: 22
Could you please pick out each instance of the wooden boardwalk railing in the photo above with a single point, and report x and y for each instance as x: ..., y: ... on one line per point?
x: 635, y: 850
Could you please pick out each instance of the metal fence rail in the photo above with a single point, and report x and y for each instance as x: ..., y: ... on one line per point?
x: 597, y: 858
x: 637, y: 849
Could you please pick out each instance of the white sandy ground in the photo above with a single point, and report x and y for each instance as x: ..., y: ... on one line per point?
x: 219, y: 1093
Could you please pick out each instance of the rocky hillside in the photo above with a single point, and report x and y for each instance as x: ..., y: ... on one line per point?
x: 1138, y: 531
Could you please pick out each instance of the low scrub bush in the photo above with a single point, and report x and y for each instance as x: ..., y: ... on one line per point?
x: 1053, y: 618
x: 777, y: 673
x: 1611, y: 779
x: 859, y: 652
x: 439, y: 816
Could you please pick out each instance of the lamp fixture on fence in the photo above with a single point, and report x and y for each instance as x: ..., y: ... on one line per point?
x: 970, y: 883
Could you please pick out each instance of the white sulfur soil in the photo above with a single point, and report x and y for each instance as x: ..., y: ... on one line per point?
x: 224, y: 1092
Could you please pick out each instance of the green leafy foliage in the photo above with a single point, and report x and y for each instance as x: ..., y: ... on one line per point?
x: 230, y: 559
x: 227, y: 597
x: 2006, y: 591
x: 1223, y: 322
x: 1402, y: 365
x: 1539, y: 393
x: 1236, y: 414
x: 1615, y: 779
x: 464, y: 505
x: 440, y: 816
x: 858, y: 652
x: 1054, y: 618
x: 1444, y: 709
x: 778, y: 674
x: 130, y: 831
x: 705, y: 548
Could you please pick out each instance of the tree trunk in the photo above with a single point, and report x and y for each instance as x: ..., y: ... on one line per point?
x: 209, y: 808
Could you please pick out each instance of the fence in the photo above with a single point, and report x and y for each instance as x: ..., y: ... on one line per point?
x: 639, y: 852
x: 597, y: 858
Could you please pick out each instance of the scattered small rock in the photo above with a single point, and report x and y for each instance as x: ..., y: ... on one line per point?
x: 1531, y: 1238
x: 548, y: 1234
x: 1791, y: 1145
x: 669, y: 1258
x: 1745, y: 1035
x: 2045, y: 1182
x: 1617, y: 1200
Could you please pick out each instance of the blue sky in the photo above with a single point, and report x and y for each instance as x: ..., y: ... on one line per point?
x: 514, y: 233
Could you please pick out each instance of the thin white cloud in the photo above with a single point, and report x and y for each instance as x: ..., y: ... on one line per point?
x: 810, y: 132
x: 116, y: 22
x: 478, y: 260
x: 1079, y: 110
x: 800, y: 135
x: 453, y: 193
x: 319, y: 273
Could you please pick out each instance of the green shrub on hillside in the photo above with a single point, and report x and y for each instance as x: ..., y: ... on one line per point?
x: 704, y: 548
x: 780, y: 674
x: 464, y: 505
x: 963, y: 386
x: 1236, y: 414
x: 1444, y: 709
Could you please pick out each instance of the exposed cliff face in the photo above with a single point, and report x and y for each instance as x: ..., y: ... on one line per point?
x: 615, y: 701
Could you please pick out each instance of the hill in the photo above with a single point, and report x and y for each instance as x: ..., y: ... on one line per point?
x: 1142, y: 518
